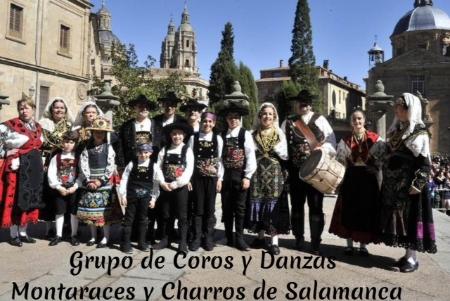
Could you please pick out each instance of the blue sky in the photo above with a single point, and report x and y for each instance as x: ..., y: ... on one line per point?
x: 343, y: 30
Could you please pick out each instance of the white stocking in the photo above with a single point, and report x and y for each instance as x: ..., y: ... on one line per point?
x: 14, y: 231
x: 275, y: 240
x: 59, y: 224
x: 74, y: 224
x: 93, y: 229
x: 106, y: 234
x: 23, y: 230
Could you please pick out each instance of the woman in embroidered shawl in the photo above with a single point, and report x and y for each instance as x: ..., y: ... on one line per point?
x: 269, y: 211
x: 20, y: 143
x: 406, y: 215
x: 355, y: 216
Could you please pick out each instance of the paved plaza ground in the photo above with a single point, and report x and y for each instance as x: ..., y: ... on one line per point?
x: 43, y: 266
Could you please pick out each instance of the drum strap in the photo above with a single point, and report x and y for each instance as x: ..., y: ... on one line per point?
x: 307, y: 133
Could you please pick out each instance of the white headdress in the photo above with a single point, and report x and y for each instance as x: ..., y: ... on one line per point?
x: 79, y: 120
x: 414, y: 114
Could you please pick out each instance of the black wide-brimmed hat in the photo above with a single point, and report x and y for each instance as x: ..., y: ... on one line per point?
x: 170, y: 97
x: 304, y: 96
x: 192, y: 104
x: 142, y: 99
x: 178, y: 125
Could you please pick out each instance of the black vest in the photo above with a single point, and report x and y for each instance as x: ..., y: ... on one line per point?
x: 233, y: 154
x: 140, y: 180
x: 298, y: 147
x: 130, y: 139
x: 174, y: 164
x: 206, y: 156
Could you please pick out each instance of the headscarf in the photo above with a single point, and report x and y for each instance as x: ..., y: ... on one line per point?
x: 414, y: 114
x: 79, y: 120
x: 47, y: 121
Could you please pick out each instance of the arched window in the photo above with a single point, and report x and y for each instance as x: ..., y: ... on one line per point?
x: 187, y: 64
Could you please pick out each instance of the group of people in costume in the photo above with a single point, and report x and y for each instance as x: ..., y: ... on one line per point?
x: 167, y: 171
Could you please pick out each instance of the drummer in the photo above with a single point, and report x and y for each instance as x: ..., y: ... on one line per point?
x: 306, y: 131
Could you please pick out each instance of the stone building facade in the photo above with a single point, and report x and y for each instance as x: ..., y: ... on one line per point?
x: 419, y: 63
x: 51, y: 48
x: 339, y: 94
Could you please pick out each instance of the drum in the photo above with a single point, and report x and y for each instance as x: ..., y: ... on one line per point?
x: 322, y: 172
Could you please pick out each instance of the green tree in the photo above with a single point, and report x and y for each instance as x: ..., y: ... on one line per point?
x: 248, y: 86
x: 285, y: 106
x: 302, y: 62
x: 223, y: 71
x: 131, y: 79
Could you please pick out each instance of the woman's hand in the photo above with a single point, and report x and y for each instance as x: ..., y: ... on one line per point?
x: 165, y: 186
x: 219, y: 186
x: 245, y: 183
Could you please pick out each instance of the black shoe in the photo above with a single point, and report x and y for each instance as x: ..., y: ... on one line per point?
x: 27, y: 239
x: 90, y: 243
x: 163, y: 243
x: 258, y: 243
x: 349, y: 251
x: 241, y: 244
x: 74, y: 241
x: 194, y: 245
x: 55, y: 241
x: 401, y: 262
x: 274, y: 250
x: 143, y: 247
x: 363, y: 252
x: 208, y: 244
x: 408, y: 267
x: 15, y: 242
x: 182, y: 247
x: 126, y: 249
x: 101, y: 245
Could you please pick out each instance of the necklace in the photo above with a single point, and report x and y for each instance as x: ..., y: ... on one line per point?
x: 360, y: 140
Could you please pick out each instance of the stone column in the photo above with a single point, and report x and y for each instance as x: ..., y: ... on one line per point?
x: 378, y: 105
x: 106, y: 100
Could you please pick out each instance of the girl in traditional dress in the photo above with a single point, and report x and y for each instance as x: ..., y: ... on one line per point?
x: 269, y: 211
x: 96, y: 167
x: 355, y: 215
x: 22, y: 167
x: 406, y: 214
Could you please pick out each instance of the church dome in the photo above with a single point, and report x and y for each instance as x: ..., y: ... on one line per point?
x: 106, y: 37
x: 423, y: 17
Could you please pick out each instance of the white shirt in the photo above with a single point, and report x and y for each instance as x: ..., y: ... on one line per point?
x: 168, y: 120
x: 209, y: 137
x: 52, y: 174
x: 189, y: 169
x: 249, y: 146
x: 144, y: 126
x: 322, y: 123
x: 126, y: 174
